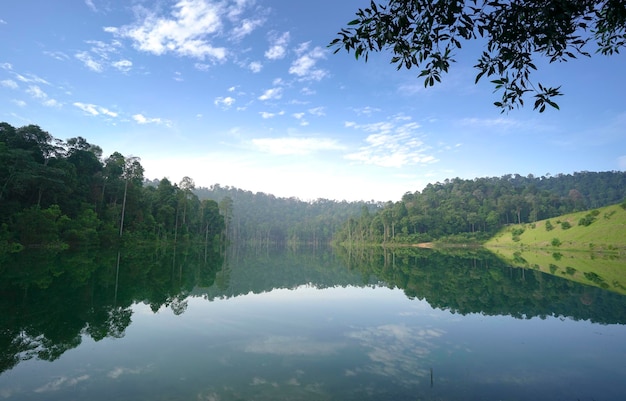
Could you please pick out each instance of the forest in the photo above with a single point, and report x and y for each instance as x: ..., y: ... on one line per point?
x: 460, y: 209
x: 56, y: 193
x: 64, y: 193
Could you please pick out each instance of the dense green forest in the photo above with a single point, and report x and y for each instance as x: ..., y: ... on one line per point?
x: 478, y: 208
x: 63, y: 193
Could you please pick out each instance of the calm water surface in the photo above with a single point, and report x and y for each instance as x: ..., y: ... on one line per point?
x: 285, y: 325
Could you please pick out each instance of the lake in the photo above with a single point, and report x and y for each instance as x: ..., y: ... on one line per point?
x: 303, y: 324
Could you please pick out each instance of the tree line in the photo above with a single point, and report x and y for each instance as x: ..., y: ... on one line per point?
x: 478, y: 208
x: 63, y: 193
x: 260, y: 218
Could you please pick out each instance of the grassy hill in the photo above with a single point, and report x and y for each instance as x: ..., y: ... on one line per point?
x: 600, y: 230
x: 586, y: 247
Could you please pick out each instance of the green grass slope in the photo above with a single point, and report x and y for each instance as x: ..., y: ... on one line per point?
x: 591, y: 251
x: 600, y: 230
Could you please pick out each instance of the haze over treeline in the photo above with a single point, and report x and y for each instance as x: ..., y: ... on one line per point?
x: 478, y: 207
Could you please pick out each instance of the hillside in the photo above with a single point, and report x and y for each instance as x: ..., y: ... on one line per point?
x: 592, y: 251
x: 601, y: 230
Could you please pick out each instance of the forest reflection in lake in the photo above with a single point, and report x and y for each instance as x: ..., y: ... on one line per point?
x: 277, y: 324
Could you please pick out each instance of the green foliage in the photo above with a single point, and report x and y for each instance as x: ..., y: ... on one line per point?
x: 517, y: 231
x: 55, y: 193
x: 549, y: 226
x: 565, y: 225
x: 482, y: 206
x: 555, y: 242
x: 589, y: 218
x: 426, y: 35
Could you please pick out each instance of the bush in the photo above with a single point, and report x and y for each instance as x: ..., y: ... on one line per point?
x: 589, y: 218
x: 565, y: 225
x: 517, y: 231
x: 549, y: 226
x: 556, y: 242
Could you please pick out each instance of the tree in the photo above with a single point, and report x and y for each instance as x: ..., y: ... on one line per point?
x: 425, y: 34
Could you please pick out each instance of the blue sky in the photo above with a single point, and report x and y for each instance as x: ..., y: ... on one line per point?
x: 245, y: 93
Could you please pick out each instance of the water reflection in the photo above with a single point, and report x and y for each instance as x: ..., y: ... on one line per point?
x: 302, y: 324
x: 50, y: 299
x: 478, y: 281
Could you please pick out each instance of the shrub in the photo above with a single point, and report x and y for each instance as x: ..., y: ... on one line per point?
x: 588, y: 219
x: 556, y: 242
x: 566, y: 225
x: 549, y: 226
x: 517, y: 231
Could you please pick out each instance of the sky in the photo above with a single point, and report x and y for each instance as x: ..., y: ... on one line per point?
x: 246, y: 93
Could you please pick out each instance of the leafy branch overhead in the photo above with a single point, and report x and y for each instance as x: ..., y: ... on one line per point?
x: 425, y: 34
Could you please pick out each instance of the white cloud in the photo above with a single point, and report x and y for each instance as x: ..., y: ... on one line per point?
x: 89, y: 3
x: 621, y: 162
x: 393, y: 143
x: 2, y: 22
x: 300, y: 118
x: 57, y: 55
x: 30, y: 78
x: 141, y: 119
x: 20, y: 103
x: 255, y: 66
x: 317, y: 111
x: 102, y: 49
x: 295, y: 146
x: 278, y: 47
x: 185, y: 32
x: 266, y: 115
x: 367, y: 110
x: 225, y: 102
x: 89, y: 62
x: 51, y: 103
x: 501, y: 122
x: 202, y: 66
x: 273, y: 93
x: 246, y: 27
x: 94, y: 110
x: 305, y: 65
x: 9, y: 83
x: 123, y: 65
x: 36, y: 92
